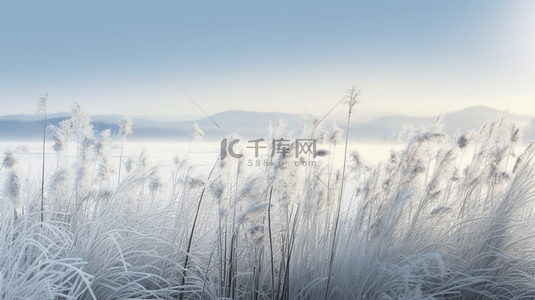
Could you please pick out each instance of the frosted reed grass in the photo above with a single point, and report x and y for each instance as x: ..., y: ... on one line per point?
x: 42, y: 107
x: 434, y: 220
x: 125, y: 128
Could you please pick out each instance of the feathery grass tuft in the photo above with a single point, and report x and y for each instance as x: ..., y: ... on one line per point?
x: 437, y: 219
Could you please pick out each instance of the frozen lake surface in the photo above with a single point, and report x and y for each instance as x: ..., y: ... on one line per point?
x: 201, y: 156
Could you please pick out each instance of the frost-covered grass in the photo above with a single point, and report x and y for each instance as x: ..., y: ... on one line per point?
x: 419, y: 225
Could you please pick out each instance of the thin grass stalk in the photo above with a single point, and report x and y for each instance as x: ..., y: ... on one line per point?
x: 190, y: 240
x: 282, y: 268
x: 232, y: 268
x: 208, y: 269
x: 44, y: 151
x: 352, y: 101
x: 271, y: 247
x: 120, y: 163
x: 286, y: 282
x: 193, y: 230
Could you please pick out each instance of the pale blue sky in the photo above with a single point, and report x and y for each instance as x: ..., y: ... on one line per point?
x: 426, y: 57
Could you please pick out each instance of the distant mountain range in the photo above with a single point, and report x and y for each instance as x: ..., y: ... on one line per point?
x: 472, y: 118
x: 253, y: 125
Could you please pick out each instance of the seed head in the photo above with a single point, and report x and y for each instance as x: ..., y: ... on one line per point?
x: 197, y: 182
x: 157, y: 183
x: 336, y: 135
x: 61, y: 135
x: 43, y: 102
x: 352, y: 101
x: 13, y: 188
x: 125, y: 126
x: 516, y: 134
x: 464, y: 139
x: 322, y: 152
x: 196, y: 133
x: 9, y: 159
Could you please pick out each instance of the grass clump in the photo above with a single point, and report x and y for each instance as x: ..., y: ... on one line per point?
x: 441, y: 218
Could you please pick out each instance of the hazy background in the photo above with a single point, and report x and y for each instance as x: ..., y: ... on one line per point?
x: 423, y: 57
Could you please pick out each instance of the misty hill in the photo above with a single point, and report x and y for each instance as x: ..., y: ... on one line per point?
x: 34, y: 117
x: 253, y: 125
x: 112, y: 118
x: 472, y: 118
x: 247, y: 124
x: 170, y: 118
x: 14, y: 129
x: 467, y: 118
